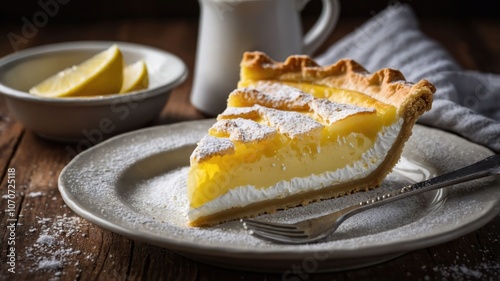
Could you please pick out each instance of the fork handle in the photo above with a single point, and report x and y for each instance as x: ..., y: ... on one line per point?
x: 486, y: 167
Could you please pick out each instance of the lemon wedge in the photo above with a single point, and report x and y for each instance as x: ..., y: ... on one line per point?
x: 101, y: 74
x: 135, y: 77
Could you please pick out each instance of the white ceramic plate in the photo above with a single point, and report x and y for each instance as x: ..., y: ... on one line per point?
x: 134, y: 185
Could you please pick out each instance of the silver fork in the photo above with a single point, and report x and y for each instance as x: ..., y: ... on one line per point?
x: 315, y: 229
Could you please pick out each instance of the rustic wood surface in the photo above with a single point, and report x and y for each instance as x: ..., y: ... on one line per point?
x: 83, y: 251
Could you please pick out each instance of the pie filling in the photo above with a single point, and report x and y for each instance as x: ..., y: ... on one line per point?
x: 295, y: 159
x: 361, y: 163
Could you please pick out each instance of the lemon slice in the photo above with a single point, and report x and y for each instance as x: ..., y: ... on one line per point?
x: 101, y: 74
x: 135, y: 77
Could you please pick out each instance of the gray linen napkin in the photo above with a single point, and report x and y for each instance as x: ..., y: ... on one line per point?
x: 466, y: 102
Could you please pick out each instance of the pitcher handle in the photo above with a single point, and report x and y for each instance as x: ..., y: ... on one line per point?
x: 323, y: 26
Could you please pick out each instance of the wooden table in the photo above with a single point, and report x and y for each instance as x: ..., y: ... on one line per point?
x: 86, y: 252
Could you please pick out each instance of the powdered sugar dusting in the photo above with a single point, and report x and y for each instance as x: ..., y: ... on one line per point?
x: 111, y: 182
x: 164, y: 192
x: 463, y: 272
x: 291, y: 124
x: 51, y: 250
x: 209, y: 146
x: 45, y: 239
x: 274, y: 95
x: 35, y: 194
x: 331, y: 112
x: 243, y: 112
x: 243, y: 130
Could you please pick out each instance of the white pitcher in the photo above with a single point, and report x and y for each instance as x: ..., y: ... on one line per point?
x: 228, y: 28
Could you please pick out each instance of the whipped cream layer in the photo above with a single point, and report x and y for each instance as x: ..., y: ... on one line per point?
x: 244, y: 195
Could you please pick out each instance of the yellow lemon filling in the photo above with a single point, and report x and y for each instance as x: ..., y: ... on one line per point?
x: 281, y: 156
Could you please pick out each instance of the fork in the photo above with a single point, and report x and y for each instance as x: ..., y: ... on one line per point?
x: 316, y: 229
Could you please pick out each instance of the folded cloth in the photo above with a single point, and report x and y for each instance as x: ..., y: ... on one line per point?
x: 466, y: 102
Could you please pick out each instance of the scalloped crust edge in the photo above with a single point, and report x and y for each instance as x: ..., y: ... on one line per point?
x: 386, y: 85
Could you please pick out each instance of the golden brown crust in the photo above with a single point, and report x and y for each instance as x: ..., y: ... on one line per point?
x: 386, y: 85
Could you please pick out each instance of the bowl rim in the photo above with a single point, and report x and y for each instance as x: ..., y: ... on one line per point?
x: 90, y: 100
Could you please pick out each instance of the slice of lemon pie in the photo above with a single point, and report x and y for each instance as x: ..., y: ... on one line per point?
x: 296, y: 132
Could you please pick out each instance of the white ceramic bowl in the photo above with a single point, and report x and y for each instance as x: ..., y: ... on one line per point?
x: 85, y: 118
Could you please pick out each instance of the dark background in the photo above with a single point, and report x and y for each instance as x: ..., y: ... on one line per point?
x: 96, y: 10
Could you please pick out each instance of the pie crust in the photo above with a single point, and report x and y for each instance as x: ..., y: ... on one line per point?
x: 386, y: 85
